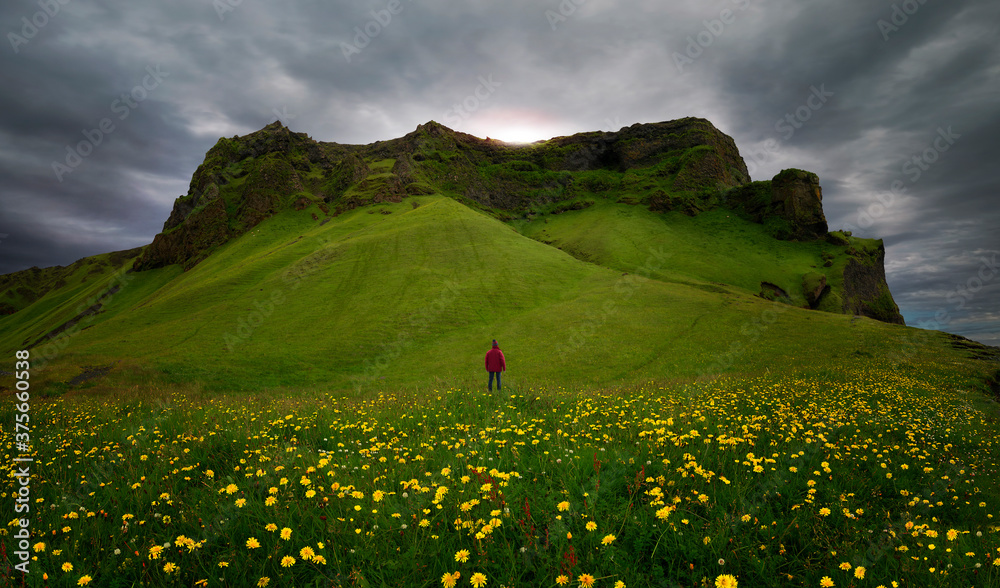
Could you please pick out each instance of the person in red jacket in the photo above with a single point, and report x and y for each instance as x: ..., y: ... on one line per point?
x: 495, y: 363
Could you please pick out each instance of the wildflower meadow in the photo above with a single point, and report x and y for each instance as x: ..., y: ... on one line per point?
x: 871, y: 478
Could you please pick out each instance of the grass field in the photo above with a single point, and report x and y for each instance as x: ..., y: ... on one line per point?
x: 865, y: 477
x: 306, y: 407
x: 408, y: 295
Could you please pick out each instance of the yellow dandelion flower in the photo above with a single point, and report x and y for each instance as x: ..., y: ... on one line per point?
x: 252, y: 543
x: 952, y: 534
x: 859, y: 572
x: 67, y: 567
x: 462, y: 556
x: 478, y: 580
x: 845, y: 566
x: 287, y: 561
x: 608, y: 539
x: 83, y: 581
x: 726, y: 581
x: 263, y: 582
x: 155, y: 551
x: 826, y: 582
x: 591, y: 526
x: 286, y: 533
x: 307, y: 553
x: 270, y: 501
x: 169, y: 567
x: 271, y: 527
x: 563, y: 506
x: 586, y: 580
x: 562, y: 580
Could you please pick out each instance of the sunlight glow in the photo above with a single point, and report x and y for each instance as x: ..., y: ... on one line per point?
x: 514, y: 125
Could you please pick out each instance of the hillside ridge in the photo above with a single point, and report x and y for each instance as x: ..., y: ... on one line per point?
x: 686, y: 166
x: 683, y: 182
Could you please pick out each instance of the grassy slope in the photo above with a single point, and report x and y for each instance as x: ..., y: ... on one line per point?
x: 413, y: 297
x: 714, y: 247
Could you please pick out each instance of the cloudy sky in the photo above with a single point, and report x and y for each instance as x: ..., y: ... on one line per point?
x: 108, y: 106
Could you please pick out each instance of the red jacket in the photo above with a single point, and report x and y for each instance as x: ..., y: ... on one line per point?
x: 495, y: 361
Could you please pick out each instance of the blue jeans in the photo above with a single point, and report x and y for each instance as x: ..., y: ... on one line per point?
x: 490, y: 385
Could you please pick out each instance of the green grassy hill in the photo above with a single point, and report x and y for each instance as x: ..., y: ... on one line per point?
x: 286, y: 388
x: 410, y: 294
x: 296, y: 264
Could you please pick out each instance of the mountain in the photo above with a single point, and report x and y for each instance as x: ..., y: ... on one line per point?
x: 597, y: 257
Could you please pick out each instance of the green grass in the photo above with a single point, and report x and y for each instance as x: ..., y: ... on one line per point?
x: 777, y: 480
x: 714, y: 247
x: 649, y: 391
x: 412, y: 298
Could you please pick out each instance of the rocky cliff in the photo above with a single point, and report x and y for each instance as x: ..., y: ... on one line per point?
x: 685, y: 165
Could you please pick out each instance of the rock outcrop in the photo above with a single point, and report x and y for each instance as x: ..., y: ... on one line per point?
x: 790, y: 204
x: 685, y: 166
x: 866, y: 292
x: 814, y: 286
x: 800, y: 199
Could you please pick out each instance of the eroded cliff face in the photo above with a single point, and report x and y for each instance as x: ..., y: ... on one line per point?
x: 244, y: 180
x: 791, y: 203
x: 685, y: 165
x: 866, y: 291
x: 800, y: 200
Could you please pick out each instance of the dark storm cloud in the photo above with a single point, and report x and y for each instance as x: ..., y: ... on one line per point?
x: 854, y: 91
